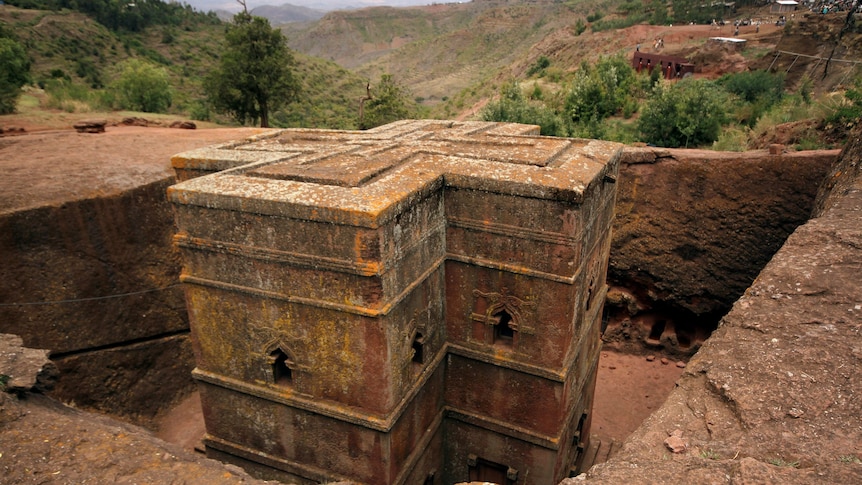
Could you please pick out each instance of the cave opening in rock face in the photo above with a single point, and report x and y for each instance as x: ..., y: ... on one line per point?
x: 678, y: 263
x: 663, y: 327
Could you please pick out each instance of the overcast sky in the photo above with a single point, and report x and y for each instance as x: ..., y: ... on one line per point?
x: 233, y: 6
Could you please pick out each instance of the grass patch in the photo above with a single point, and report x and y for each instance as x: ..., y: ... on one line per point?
x: 709, y: 455
x: 782, y: 463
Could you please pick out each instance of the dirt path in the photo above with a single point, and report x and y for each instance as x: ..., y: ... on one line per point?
x: 629, y: 388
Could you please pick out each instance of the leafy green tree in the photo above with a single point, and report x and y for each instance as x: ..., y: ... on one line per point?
x: 255, y: 74
x: 758, y: 90
x: 599, y: 91
x: 697, y: 11
x: 754, y: 85
x: 14, y: 73
x: 386, y: 103
x: 142, y: 86
x: 659, y: 13
x: 514, y: 108
x: 687, y: 113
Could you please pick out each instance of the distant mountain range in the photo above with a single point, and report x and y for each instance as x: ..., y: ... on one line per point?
x: 278, y: 15
x: 227, y: 8
x: 285, y: 13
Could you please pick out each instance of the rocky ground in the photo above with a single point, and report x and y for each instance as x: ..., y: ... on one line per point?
x: 51, y: 167
x: 43, y: 441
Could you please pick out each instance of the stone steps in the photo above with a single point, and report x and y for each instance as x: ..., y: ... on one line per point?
x: 599, y: 451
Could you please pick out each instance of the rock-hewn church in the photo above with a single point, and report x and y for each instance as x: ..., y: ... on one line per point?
x: 415, y: 304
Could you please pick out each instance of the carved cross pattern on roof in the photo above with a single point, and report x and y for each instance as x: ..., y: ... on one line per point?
x: 360, y: 177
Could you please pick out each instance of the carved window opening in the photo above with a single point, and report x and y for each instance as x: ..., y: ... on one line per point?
x: 418, y: 349
x: 504, y: 332
x: 282, y: 374
x: 501, y: 319
x: 590, y: 289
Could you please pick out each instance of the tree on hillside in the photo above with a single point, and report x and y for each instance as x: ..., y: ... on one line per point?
x: 142, y: 87
x: 599, y: 91
x: 14, y: 73
x: 386, y: 103
x: 254, y: 77
x: 685, y: 114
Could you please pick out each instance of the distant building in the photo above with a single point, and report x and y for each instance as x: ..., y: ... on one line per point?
x: 735, y: 42
x: 672, y: 67
x: 784, y: 6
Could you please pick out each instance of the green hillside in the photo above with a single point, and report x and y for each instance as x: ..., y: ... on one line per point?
x: 448, y: 50
x: 75, y: 58
x: 454, y: 59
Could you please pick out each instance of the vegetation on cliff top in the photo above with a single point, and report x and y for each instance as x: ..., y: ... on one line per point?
x: 451, y: 57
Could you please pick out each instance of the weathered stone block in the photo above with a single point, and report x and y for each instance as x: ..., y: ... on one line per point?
x: 394, y: 289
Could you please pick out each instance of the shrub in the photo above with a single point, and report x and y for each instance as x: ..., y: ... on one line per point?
x: 595, y: 16
x: 688, y: 113
x: 659, y: 13
x: 70, y: 96
x: 539, y: 66
x: 600, y: 91
x: 199, y: 110
x: 753, y: 85
x: 142, y: 86
x: 390, y: 102
x: 14, y: 73
x: 621, y: 131
x: 731, y: 139
x: 806, y: 87
x: 514, y: 108
x: 850, y: 109
x: 59, y: 74
x: 537, y: 92
x: 580, y: 27
x: 760, y: 90
x: 589, y: 128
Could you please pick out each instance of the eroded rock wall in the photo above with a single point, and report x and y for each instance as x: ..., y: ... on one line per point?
x: 772, y: 396
x: 95, y: 282
x: 692, y: 230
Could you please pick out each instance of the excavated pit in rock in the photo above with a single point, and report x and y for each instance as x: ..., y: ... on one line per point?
x: 678, y: 262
